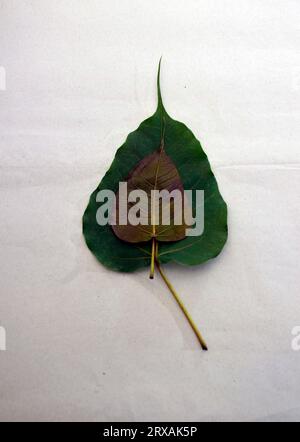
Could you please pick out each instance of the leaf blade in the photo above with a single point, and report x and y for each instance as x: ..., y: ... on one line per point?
x: 190, y: 160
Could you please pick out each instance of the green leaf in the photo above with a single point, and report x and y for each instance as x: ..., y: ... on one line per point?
x: 189, y: 159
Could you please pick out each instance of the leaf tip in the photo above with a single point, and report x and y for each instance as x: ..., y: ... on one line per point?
x: 160, y: 103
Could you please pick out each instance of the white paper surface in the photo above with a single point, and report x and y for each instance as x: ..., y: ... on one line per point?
x: 84, y: 343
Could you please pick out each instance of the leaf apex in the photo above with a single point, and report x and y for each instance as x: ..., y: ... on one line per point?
x: 159, y: 97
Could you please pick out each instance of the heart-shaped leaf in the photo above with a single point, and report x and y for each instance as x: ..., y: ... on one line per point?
x: 184, y: 166
x: 156, y: 172
x: 192, y: 164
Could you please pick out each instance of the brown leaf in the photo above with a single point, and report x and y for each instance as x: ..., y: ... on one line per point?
x: 155, y: 172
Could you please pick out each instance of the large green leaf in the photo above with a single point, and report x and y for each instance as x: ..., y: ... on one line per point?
x: 195, y: 172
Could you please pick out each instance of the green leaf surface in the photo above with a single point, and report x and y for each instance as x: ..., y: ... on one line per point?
x: 195, y: 173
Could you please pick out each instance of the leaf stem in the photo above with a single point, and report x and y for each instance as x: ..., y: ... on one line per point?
x: 182, y: 306
x: 151, y: 276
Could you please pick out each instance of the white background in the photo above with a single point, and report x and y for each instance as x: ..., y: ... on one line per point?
x: 84, y: 343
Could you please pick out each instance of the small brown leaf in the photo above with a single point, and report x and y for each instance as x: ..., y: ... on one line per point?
x: 156, y: 172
